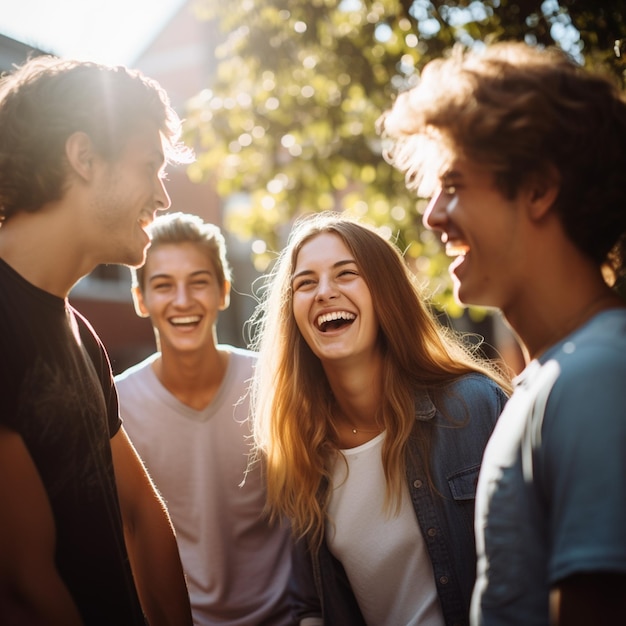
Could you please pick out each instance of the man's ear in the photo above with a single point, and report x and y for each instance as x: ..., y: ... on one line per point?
x: 225, y: 296
x: 80, y: 154
x: 542, y: 191
x: 140, y: 307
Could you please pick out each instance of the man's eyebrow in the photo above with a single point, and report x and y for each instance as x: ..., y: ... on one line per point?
x: 450, y: 175
x: 165, y: 276
x: 335, y: 266
x: 159, y: 277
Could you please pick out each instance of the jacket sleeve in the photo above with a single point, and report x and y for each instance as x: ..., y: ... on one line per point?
x: 305, y: 601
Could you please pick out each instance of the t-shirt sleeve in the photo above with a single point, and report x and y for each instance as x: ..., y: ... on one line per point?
x: 102, y: 365
x: 582, y: 464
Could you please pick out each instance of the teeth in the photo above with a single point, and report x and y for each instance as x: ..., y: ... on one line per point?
x: 456, y: 249
x: 335, y: 315
x: 192, y: 319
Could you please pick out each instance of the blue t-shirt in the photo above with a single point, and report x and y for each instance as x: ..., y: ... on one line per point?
x: 551, y: 499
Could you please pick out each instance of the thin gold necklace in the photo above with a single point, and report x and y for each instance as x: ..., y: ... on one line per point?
x: 356, y: 431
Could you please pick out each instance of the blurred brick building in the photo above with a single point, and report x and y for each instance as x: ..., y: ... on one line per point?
x: 181, y: 59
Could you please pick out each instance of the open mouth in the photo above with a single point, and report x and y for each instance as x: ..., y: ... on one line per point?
x: 189, y: 320
x: 335, y: 320
x: 454, y: 248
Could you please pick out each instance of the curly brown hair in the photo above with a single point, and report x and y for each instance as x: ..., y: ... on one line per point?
x: 518, y: 110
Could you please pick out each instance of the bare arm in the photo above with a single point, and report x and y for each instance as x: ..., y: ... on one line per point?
x: 150, y: 540
x: 583, y: 599
x: 31, y: 590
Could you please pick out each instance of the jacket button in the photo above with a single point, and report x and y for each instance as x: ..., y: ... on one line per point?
x: 417, y: 483
x: 444, y: 580
x: 431, y: 532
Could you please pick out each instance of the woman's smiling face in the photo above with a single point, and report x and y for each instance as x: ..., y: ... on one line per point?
x: 332, y: 304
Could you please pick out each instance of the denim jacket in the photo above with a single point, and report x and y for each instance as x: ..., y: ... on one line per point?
x: 461, y: 425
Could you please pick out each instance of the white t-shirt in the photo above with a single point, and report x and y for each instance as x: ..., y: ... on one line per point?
x: 384, y: 554
x: 237, y: 566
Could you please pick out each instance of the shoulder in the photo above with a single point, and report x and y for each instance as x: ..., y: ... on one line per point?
x: 243, y: 353
x: 475, y: 381
x: 475, y: 390
x: 93, y: 344
x: 137, y: 370
x: 87, y: 332
x: 466, y: 410
x: 240, y: 356
x: 601, y: 343
x: 590, y: 367
x: 592, y: 361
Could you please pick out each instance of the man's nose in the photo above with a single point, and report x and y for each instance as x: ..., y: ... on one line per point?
x: 435, y: 214
x: 182, y: 295
x: 163, y: 201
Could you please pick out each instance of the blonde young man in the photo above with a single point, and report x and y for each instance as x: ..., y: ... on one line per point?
x: 186, y: 409
x: 84, y: 537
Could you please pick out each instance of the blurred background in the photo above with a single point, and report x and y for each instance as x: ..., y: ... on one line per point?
x: 280, y: 99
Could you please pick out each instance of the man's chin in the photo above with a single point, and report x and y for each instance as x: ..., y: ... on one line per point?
x: 465, y: 299
x: 463, y: 296
x: 137, y: 260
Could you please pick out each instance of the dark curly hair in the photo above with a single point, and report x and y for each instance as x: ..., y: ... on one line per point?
x: 518, y: 109
x: 47, y: 99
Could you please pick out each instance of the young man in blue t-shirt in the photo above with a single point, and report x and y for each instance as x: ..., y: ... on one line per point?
x: 523, y: 154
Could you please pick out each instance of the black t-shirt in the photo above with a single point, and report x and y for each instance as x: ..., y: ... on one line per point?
x: 57, y: 392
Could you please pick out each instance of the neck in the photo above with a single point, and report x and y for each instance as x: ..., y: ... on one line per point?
x: 357, y: 409
x: 355, y: 429
x: 44, y: 248
x: 589, y: 309
x: 356, y: 386
x: 558, y: 289
x: 361, y: 418
x: 194, y: 379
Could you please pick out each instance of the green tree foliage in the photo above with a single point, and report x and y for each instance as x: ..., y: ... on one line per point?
x: 289, y: 119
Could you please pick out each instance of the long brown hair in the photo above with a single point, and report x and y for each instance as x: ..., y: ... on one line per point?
x: 291, y: 398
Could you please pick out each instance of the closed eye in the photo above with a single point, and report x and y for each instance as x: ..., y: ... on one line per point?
x: 161, y: 286
x: 348, y: 273
x: 302, y: 284
x: 450, y: 183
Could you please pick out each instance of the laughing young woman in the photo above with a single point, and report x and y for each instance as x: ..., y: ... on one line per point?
x: 371, y: 420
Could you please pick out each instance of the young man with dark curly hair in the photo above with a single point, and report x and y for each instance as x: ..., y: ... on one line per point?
x: 523, y: 152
